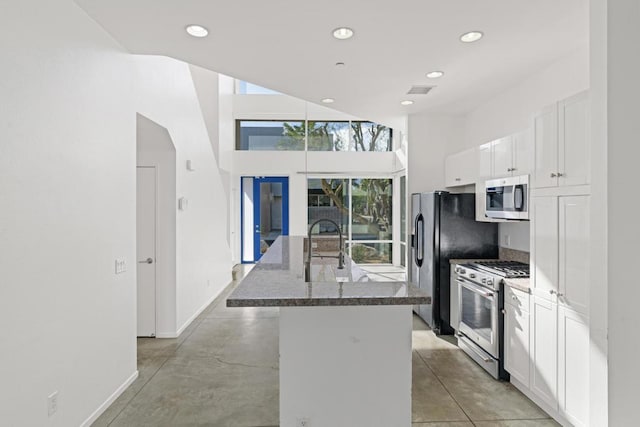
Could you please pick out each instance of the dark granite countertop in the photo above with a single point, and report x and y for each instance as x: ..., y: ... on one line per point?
x: 278, y: 281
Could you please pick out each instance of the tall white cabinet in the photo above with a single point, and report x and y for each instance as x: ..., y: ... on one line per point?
x: 559, y: 332
x: 558, y: 322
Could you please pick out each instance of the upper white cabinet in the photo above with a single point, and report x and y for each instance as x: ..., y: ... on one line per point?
x: 461, y: 168
x: 508, y: 156
x: 561, y: 140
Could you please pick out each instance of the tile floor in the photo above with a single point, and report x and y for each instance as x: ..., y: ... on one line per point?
x: 223, y: 371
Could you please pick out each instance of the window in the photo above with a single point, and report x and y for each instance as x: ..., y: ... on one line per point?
x: 257, y: 135
x: 272, y: 135
x: 363, y: 207
x: 246, y: 88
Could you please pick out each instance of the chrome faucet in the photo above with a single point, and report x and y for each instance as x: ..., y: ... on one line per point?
x: 340, y: 254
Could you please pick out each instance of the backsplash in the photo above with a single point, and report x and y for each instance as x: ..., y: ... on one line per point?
x: 509, y: 254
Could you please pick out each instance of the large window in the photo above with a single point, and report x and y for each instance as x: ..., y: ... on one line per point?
x: 246, y: 88
x: 318, y: 135
x: 363, y: 207
x: 257, y: 135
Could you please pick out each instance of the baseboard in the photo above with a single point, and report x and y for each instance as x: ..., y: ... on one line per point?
x: 553, y: 413
x: 197, y: 313
x: 96, y: 414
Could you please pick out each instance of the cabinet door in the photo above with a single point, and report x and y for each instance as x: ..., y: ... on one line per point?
x: 485, y: 162
x: 544, y: 246
x: 502, y: 157
x: 573, y: 280
x: 574, y: 146
x: 573, y: 366
x: 523, y: 152
x: 516, y: 343
x: 545, y: 128
x: 544, y: 350
x: 461, y: 168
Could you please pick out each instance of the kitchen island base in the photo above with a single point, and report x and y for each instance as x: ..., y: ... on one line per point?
x: 345, y: 366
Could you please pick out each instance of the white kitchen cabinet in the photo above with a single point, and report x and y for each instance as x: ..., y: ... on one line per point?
x: 543, y: 214
x: 516, y: 335
x: 573, y: 366
x: 573, y: 260
x: 523, y: 152
x: 560, y: 250
x: 544, y: 350
x: 503, y: 154
x: 485, y: 162
x: 461, y: 168
x: 561, y: 140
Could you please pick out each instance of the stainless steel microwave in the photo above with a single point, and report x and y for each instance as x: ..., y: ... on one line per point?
x: 508, y: 198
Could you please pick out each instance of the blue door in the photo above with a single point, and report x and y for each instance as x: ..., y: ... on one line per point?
x: 265, y: 214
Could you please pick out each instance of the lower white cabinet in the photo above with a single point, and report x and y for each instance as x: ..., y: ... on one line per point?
x: 547, y: 352
x: 516, y: 340
x: 544, y: 350
x: 573, y: 367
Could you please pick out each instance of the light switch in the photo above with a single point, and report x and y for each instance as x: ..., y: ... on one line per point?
x: 121, y: 266
x: 183, y: 203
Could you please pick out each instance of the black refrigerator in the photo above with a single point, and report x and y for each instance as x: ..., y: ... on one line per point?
x: 444, y: 228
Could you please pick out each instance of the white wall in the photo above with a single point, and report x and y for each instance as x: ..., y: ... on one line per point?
x: 67, y: 185
x: 166, y: 94
x: 513, y: 110
x: 623, y: 128
x: 431, y: 137
x: 155, y: 148
x: 598, y: 381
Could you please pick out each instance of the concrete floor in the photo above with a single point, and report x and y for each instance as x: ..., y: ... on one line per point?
x: 223, y: 371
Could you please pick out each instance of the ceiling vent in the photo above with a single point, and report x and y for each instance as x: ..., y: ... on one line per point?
x: 419, y: 90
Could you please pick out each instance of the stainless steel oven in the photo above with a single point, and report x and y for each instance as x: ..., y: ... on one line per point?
x: 481, y: 304
x: 479, y: 309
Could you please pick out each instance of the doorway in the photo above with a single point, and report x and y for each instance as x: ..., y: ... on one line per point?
x: 265, y: 214
x: 146, y: 214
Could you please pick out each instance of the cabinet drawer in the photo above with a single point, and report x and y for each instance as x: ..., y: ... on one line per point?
x: 516, y: 297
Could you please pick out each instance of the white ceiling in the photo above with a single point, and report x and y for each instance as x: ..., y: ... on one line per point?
x: 286, y: 45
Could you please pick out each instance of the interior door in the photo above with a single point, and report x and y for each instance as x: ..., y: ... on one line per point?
x: 265, y: 214
x: 146, y: 250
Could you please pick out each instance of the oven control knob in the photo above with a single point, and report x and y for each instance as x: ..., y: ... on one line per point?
x: 484, y: 280
x: 473, y: 276
x: 490, y: 282
x: 461, y: 271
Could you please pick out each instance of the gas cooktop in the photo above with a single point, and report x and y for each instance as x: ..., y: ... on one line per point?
x: 507, y: 269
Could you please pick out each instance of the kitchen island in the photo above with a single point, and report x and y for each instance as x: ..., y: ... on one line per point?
x: 345, y: 341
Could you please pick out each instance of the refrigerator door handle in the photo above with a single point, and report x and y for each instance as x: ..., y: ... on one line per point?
x: 419, y: 240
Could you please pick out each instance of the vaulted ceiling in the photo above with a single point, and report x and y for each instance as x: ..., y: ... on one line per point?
x: 287, y: 45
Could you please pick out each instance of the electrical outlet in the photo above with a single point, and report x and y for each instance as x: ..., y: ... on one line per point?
x: 121, y: 266
x: 303, y: 422
x: 208, y: 283
x: 314, y: 245
x: 52, y: 403
x: 507, y: 240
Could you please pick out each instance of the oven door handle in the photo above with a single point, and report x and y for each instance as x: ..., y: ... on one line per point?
x: 475, y: 288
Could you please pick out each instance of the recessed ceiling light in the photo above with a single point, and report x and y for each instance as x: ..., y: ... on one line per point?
x: 343, y: 33
x: 471, y: 36
x: 435, y: 74
x: 406, y: 102
x: 197, y: 31
x: 340, y: 64
x: 328, y: 100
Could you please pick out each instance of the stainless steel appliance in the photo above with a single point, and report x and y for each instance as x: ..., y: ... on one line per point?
x: 508, y: 198
x: 443, y: 228
x: 481, y: 304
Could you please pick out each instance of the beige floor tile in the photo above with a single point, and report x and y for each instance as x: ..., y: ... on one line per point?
x: 430, y: 400
x: 517, y: 423
x: 444, y: 424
